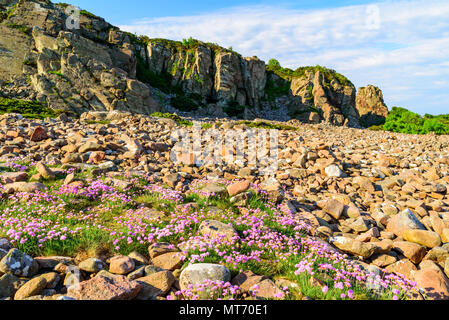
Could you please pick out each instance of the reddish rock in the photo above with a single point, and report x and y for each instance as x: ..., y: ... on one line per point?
x: 404, y: 221
x: 238, y: 187
x: 260, y: 286
x: 10, y: 177
x: 435, y: 284
x: 155, y: 285
x: 38, y: 134
x: 97, y: 157
x: 410, y: 250
x: 101, y: 288
x: 121, y: 265
x: 157, y: 249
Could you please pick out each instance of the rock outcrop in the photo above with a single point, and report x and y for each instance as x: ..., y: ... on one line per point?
x: 213, y: 73
x: 319, y: 93
x: 76, y: 70
x: 370, y: 106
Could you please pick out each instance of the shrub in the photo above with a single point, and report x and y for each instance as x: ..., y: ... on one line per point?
x: 234, y: 109
x: 404, y: 121
x: 29, y: 109
x: 178, y: 119
x: 184, y: 103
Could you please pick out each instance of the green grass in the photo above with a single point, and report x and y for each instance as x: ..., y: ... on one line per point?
x: 404, y: 121
x: 267, y: 125
x: 29, y: 109
x: 87, y: 14
x: 19, y: 27
x: 180, y: 121
x: 289, y: 74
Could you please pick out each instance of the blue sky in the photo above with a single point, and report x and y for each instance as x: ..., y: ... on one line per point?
x: 400, y: 46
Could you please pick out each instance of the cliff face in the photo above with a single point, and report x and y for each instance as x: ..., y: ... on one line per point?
x: 213, y: 73
x: 370, y: 105
x: 90, y: 68
x: 332, y: 100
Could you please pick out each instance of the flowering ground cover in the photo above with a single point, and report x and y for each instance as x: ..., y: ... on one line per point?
x: 102, y: 214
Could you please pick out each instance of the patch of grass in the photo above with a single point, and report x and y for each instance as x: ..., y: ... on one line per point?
x: 19, y: 27
x: 184, y: 103
x: 87, y: 14
x: 180, y: 121
x: 234, y: 109
x: 267, y: 125
x: 288, y: 74
x: 29, y: 109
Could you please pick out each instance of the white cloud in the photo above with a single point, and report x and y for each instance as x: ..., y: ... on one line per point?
x: 395, y: 45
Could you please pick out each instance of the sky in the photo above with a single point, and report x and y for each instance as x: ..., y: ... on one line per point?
x: 400, y: 46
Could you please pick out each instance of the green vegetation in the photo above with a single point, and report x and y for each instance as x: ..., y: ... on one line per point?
x: 234, y: 109
x: 267, y: 125
x: 87, y: 14
x: 184, y: 103
x: 160, y: 81
x: 178, y: 119
x: 30, y: 63
x: 29, y: 109
x: 288, y: 74
x: 19, y: 27
x: 404, y: 121
x: 188, y: 44
x: 276, y: 88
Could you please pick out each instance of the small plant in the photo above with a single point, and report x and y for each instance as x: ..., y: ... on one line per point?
x: 30, y: 63
x: 29, y: 109
x: 87, y: 14
x: 19, y: 27
x: 178, y: 119
x: 183, y: 103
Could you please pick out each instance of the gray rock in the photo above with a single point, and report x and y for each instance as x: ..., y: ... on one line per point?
x: 92, y: 265
x: 9, y: 284
x: 199, y: 272
x: 19, y: 264
x: 334, y: 171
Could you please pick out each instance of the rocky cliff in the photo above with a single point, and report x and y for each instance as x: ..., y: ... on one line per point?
x: 98, y: 67
x: 90, y: 68
x: 371, y: 106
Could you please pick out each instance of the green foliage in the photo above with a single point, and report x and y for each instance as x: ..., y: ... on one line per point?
x: 273, y: 63
x: 178, y: 119
x: 160, y: 81
x: 30, y: 63
x: 289, y: 74
x: 276, y: 88
x: 267, y: 125
x: 87, y: 14
x: 29, y: 109
x: 184, y: 103
x: 404, y: 121
x: 19, y: 27
x: 234, y: 109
